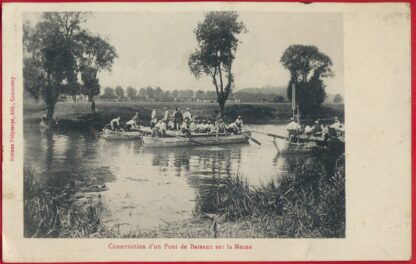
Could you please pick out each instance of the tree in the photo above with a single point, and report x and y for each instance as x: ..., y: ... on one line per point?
x: 200, y: 95
x: 308, y: 67
x: 95, y: 55
x: 119, y: 91
x: 131, y: 92
x: 278, y: 99
x: 157, y: 94
x: 217, y: 45
x: 150, y: 93
x: 108, y: 93
x: 50, y: 47
x: 142, y: 94
x: 53, y: 58
x: 338, y: 99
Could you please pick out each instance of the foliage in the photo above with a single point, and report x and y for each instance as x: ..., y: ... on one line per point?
x: 47, y: 213
x: 95, y: 55
x: 308, y: 202
x: 119, y: 92
x: 217, y: 45
x: 56, y: 50
x: 108, y: 93
x: 131, y: 93
x: 308, y: 67
x: 338, y: 99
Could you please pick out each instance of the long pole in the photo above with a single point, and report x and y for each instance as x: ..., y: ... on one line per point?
x: 293, y: 100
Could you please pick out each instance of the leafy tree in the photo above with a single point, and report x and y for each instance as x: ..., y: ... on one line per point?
x: 150, y: 93
x: 200, y: 95
x: 308, y: 67
x: 131, y: 92
x: 108, y: 93
x: 53, y: 58
x: 217, y: 45
x: 95, y: 55
x: 278, y: 99
x: 338, y: 99
x: 142, y: 94
x: 119, y: 91
x: 157, y: 93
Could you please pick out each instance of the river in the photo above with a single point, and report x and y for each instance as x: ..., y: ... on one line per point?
x: 137, y: 187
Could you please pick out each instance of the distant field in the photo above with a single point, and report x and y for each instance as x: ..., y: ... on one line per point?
x: 78, y: 114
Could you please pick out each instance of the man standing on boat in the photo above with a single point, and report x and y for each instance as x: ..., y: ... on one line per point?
x: 187, y: 114
x: 166, y: 115
x: 293, y: 128
x: 178, y: 119
x: 153, y: 116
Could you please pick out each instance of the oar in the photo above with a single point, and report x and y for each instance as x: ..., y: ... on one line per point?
x: 268, y: 134
x: 252, y: 139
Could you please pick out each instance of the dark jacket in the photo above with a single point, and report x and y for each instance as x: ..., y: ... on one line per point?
x: 178, y: 116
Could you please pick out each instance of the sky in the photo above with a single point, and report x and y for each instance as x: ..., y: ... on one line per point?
x: 153, y: 47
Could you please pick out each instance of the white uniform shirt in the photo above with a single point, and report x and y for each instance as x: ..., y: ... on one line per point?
x: 187, y: 114
x: 336, y: 125
x: 308, y: 129
x: 293, y: 126
x: 153, y: 114
x: 161, y: 125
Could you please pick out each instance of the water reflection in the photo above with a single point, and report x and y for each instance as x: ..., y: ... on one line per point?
x: 149, y: 187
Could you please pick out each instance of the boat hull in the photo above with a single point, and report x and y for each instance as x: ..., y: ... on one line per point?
x: 195, y: 140
x: 286, y: 147
x: 119, y: 135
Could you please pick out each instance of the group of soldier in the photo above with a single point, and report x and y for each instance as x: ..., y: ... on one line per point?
x: 179, y: 122
x: 319, y: 129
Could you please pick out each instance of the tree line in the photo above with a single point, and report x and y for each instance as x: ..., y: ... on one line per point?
x: 150, y: 94
x: 63, y: 58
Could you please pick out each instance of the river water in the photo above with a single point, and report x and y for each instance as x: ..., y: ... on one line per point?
x: 137, y: 187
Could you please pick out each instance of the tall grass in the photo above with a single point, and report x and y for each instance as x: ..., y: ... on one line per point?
x: 47, y: 212
x: 306, y: 203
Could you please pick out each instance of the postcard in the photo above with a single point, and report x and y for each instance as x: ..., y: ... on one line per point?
x: 206, y: 131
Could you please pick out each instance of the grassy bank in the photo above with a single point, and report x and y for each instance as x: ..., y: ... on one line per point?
x: 308, y: 202
x: 77, y: 115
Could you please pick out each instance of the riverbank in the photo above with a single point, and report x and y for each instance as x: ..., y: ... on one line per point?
x: 78, y: 115
x: 308, y: 202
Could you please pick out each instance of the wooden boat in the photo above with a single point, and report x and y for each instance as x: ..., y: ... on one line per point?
x: 286, y: 147
x: 204, y: 139
x: 121, y: 135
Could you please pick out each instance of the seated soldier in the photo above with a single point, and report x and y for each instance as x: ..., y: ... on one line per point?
x: 232, y: 128
x: 186, y: 125
x: 308, y: 130
x: 131, y: 125
x: 210, y: 127
x: 153, y: 122
x: 192, y: 126
x: 221, y: 126
x: 161, y: 127
x: 171, y: 124
x: 317, y: 130
x: 239, y: 123
x: 293, y: 129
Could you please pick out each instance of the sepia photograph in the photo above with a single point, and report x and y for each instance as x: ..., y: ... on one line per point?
x: 206, y: 131
x: 218, y: 124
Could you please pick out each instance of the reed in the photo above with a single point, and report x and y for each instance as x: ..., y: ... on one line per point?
x: 308, y: 202
x: 47, y: 213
